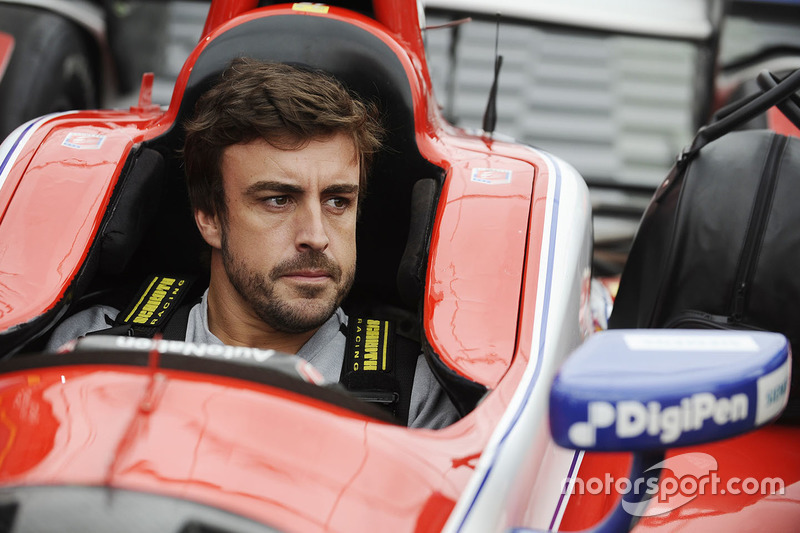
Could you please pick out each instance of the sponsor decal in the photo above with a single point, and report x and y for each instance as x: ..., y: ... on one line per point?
x: 310, y: 7
x: 491, y: 176
x: 283, y: 363
x: 669, y: 342
x: 198, y: 350
x: 370, y: 344
x: 773, y: 393
x: 632, y: 419
x: 83, y: 141
x: 156, y: 300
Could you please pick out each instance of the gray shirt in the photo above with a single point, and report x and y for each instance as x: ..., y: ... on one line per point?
x: 430, y: 406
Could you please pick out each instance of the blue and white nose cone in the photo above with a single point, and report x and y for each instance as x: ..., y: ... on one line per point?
x: 656, y: 389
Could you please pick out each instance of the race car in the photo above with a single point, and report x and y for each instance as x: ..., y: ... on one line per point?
x: 477, y: 245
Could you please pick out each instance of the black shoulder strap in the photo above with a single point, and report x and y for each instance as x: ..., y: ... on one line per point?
x: 175, y: 328
x: 156, y: 307
x: 379, y: 365
x: 407, y: 353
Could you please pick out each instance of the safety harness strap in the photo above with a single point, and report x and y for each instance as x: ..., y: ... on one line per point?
x: 152, y: 309
x: 379, y: 365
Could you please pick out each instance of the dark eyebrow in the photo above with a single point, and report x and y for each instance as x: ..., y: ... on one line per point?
x: 342, y: 188
x: 289, y: 188
x: 272, y: 186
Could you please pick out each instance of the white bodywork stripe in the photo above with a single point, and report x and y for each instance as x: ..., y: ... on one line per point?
x: 488, y: 499
x: 12, y: 146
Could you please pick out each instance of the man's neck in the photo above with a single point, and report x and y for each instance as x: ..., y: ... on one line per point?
x: 233, y: 322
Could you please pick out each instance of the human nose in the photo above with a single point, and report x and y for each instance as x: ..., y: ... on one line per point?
x: 311, y: 231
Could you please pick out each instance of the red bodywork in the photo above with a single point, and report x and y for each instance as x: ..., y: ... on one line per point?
x: 6, y: 48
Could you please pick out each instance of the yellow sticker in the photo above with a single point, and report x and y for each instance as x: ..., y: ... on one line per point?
x: 310, y: 7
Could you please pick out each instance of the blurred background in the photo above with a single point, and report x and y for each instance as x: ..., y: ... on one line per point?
x: 615, y: 87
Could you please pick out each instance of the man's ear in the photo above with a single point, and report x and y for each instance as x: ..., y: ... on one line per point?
x: 210, y: 227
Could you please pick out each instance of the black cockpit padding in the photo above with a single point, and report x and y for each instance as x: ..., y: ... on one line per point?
x: 411, y: 272
x: 129, y: 217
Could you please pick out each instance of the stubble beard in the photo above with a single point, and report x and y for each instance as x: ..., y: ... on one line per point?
x: 258, y: 290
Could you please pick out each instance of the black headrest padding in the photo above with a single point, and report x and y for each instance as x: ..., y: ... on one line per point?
x: 411, y: 273
x: 363, y: 62
x: 131, y: 212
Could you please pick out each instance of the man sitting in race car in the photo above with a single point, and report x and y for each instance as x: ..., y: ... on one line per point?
x: 276, y: 160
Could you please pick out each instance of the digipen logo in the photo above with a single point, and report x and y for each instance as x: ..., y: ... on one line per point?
x: 632, y: 419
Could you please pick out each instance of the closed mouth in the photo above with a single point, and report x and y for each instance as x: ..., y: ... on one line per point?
x: 308, y: 275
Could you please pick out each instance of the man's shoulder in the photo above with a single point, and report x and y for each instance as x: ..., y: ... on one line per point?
x: 79, y: 324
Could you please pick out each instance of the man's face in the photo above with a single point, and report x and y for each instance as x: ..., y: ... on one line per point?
x: 289, y: 236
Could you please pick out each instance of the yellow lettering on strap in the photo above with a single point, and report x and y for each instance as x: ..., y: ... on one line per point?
x: 371, y: 345
x: 385, y: 343
x: 135, y: 307
x: 153, y: 302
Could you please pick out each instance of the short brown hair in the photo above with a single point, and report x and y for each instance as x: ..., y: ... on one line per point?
x: 287, y: 106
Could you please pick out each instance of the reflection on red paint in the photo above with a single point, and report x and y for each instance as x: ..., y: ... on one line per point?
x: 6, y: 49
x: 27, y: 424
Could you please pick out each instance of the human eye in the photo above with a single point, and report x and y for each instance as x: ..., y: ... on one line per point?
x: 339, y: 203
x: 276, y: 201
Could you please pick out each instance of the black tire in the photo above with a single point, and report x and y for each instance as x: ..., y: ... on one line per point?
x: 52, y: 67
